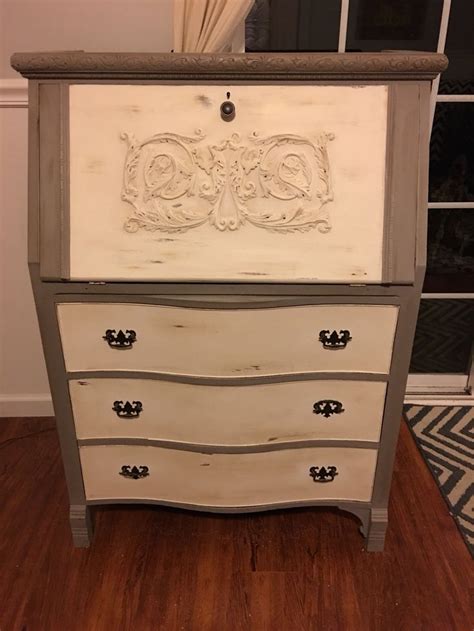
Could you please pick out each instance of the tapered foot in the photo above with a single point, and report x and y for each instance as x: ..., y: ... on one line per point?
x: 81, y: 525
x: 373, y: 526
x: 377, y: 527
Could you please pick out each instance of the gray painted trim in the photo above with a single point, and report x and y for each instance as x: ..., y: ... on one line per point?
x: 81, y: 525
x: 53, y: 181
x: 289, y: 80
x: 255, y: 66
x: 64, y: 180
x: 377, y: 522
x: 405, y: 334
x: 387, y: 217
x: 209, y: 450
x: 59, y: 389
x: 406, y: 324
x: 33, y: 173
x: 227, y: 381
x: 347, y: 506
x: 197, y: 280
x: 150, y: 290
x: 49, y: 181
x: 423, y: 177
x: 402, y: 183
x: 228, y: 302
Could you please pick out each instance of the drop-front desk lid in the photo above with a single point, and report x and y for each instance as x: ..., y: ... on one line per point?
x: 303, y: 168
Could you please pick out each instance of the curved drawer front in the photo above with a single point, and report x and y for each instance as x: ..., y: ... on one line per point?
x: 227, y: 343
x: 227, y: 480
x: 162, y: 188
x: 228, y: 415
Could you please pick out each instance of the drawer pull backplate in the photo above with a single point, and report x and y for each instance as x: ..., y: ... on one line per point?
x: 120, y: 340
x: 334, y: 340
x: 323, y: 474
x: 127, y: 409
x: 327, y: 407
x: 134, y: 472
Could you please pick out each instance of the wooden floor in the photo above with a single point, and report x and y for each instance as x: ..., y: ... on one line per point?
x: 158, y: 569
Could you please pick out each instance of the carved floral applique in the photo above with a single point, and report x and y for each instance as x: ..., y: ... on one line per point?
x: 280, y: 182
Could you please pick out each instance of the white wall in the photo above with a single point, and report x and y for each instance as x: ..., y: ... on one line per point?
x: 29, y: 25
x: 23, y: 382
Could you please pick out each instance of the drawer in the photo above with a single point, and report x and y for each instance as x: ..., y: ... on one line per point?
x: 226, y: 480
x: 168, y: 190
x: 227, y: 342
x: 228, y: 415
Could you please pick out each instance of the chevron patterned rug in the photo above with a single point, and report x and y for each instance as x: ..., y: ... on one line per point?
x: 445, y: 437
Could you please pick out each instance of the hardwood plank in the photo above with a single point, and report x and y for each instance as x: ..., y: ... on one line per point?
x: 166, y: 569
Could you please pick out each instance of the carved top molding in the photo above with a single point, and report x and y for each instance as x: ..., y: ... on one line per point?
x: 252, y: 66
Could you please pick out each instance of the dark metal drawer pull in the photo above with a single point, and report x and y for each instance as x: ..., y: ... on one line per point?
x: 134, y: 472
x: 127, y: 409
x: 327, y: 407
x: 334, y: 340
x: 227, y: 110
x: 120, y: 340
x: 323, y: 474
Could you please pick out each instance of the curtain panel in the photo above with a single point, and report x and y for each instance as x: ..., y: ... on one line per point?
x: 207, y: 26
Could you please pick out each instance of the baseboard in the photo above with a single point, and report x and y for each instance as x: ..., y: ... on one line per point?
x: 13, y: 93
x: 462, y: 400
x: 26, y: 405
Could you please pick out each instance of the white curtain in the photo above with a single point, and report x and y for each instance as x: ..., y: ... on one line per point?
x: 207, y: 26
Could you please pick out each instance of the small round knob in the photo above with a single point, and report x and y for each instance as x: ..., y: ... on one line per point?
x: 227, y: 111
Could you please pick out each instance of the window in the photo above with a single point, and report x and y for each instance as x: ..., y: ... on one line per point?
x: 446, y: 323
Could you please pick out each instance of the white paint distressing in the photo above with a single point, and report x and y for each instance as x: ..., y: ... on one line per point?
x: 227, y: 342
x: 350, y: 251
x: 228, y: 415
x: 227, y: 480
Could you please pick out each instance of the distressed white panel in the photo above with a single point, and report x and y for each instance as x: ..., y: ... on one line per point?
x: 222, y: 480
x: 101, y: 249
x: 228, y: 415
x: 232, y: 343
